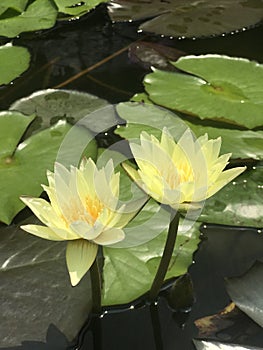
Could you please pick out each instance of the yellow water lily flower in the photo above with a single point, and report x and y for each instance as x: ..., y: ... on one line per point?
x: 180, y: 174
x: 84, y: 209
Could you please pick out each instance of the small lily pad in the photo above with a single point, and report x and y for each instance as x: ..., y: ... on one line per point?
x: 36, y: 292
x: 129, y: 273
x: 76, y: 8
x: 246, y: 292
x: 52, y: 105
x: 215, y: 87
x: 188, y: 18
x: 14, y: 61
x: 40, y: 14
x: 23, y: 168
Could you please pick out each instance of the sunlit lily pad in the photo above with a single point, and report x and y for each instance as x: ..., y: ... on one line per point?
x: 39, y: 14
x: 23, y: 168
x: 206, y: 345
x: 246, y: 292
x: 36, y: 292
x: 52, y: 105
x: 128, y: 273
x: 76, y: 8
x: 242, y: 144
x: 218, y: 87
x: 14, y: 61
x: 240, y: 203
x: 181, y: 18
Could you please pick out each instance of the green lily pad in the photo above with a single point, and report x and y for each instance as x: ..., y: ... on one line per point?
x: 76, y: 8
x: 23, y: 168
x: 188, y: 18
x: 35, y: 290
x: 40, y: 14
x: 52, y: 105
x: 15, y: 5
x: 240, y: 203
x: 129, y: 273
x: 246, y: 292
x: 242, y: 144
x: 223, y: 88
x: 14, y: 61
x: 207, y: 345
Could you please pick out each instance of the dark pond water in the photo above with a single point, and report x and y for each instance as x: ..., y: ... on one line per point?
x: 64, y: 51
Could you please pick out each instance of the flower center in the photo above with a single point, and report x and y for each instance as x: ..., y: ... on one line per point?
x: 94, y: 207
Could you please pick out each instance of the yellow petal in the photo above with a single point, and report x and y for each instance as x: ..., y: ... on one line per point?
x: 80, y: 255
x: 110, y: 236
x: 42, y: 232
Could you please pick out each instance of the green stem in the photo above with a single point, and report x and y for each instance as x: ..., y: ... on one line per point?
x: 166, y: 257
x: 96, y: 287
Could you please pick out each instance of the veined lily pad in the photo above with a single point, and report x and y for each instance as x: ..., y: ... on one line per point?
x: 14, y: 61
x: 206, y: 345
x: 242, y: 144
x: 128, y: 273
x: 52, y: 105
x: 23, y: 168
x: 40, y: 14
x: 188, y: 18
x: 36, y: 292
x: 246, y: 292
x: 218, y: 87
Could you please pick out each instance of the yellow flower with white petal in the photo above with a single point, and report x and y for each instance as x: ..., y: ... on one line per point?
x: 84, y: 209
x: 180, y: 174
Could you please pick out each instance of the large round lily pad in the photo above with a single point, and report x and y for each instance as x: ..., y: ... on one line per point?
x: 36, y: 292
x: 215, y: 87
x: 52, y: 105
x: 23, y: 166
x: 14, y: 61
x: 189, y: 18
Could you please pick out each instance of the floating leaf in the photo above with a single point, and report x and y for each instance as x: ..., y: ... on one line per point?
x: 246, y: 292
x: 14, y: 61
x: 36, y: 291
x: 23, y: 169
x: 15, y: 5
x: 206, y: 345
x: 188, y: 18
x: 240, y: 203
x: 52, y: 105
x: 76, y: 8
x: 129, y: 273
x: 221, y: 87
x: 242, y: 144
x: 40, y: 14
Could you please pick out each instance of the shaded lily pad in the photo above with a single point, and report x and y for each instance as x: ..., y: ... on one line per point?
x: 36, y: 292
x: 223, y: 88
x: 52, y: 105
x: 246, y: 292
x: 14, y: 61
x: 206, y: 345
x: 240, y: 203
x: 242, y: 144
x: 190, y: 18
x: 23, y: 168
x: 128, y: 273
x: 40, y: 14
x: 15, y: 5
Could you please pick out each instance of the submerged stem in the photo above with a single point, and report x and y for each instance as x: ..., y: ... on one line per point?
x: 166, y: 257
x: 96, y: 287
